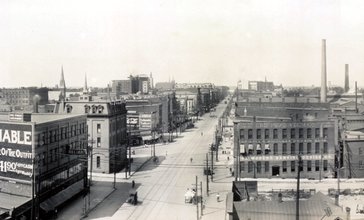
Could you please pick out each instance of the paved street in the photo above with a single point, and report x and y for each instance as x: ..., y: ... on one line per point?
x: 161, y: 187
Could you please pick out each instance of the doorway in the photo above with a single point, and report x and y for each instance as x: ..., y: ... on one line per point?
x: 275, y: 170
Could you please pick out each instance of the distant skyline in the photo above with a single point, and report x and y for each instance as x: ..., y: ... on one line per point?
x: 191, y: 41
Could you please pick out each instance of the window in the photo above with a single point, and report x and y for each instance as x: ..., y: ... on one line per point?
x: 284, y: 133
x: 242, y: 134
x: 250, y: 166
x: 308, y: 148
x: 275, y: 133
x: 98, y: 164
x: 325, y: 132
x: 284, y: 148
x: 325, y: 148
x: 267, y: 148
x: 87, y: 109
x: 300, y: 150
x: 275, y: 148
x: 250, y: 133
x: 284, y: 166
x: 100, y: 109
x: 360, y: 151
x: 259, y: 133
x: 317, y: 148
x: 361, y: 164
x: 301, y: 167
x: 266, y: 133
x: 293, y: 133
x: 317, y: 132
x: 98, y: 128
x: 259, y: 167
x: 293, y: 148
x: 242, y: 166
x: 309, y: 133
x: 98, y: 142
x: 300, y: 133
x: 259, y: 149
x: 309, y: 166
x: 317, y: 165
x: 266, y: 166
x: 325, y: 165
x: 293, y: 166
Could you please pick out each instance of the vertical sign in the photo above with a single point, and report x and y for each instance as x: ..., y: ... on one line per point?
x: 16, y: 151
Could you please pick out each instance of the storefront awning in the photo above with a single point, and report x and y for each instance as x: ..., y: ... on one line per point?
x: 267, y: 146
x: 61, y: 197
x: 259, y: 147
x: 9, y: 201
x: 250, y: 147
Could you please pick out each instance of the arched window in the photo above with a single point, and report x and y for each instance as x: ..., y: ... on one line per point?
x: 100, y: 109
x: 87, y: 109
x: 94, y: 108
x: 68, y: 108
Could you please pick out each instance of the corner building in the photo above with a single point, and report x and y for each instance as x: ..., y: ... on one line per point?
x: 42, y: 159
x: 270, y: 148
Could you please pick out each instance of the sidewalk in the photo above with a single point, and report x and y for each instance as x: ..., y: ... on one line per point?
x: 102, y: 187
x: 222, y: 183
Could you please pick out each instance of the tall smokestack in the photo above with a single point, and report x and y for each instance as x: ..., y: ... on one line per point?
x: 323, y: 73
x: 346, y: 78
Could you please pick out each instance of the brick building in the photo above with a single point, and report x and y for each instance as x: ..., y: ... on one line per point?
x: 42, y: 157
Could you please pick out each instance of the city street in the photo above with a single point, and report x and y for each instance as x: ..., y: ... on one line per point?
x: 161, y: 187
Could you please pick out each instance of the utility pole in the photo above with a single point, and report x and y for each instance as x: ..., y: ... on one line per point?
x: 129, y: 145
x: 201, y: 198
x: 212, y: 164
x: 321, y: 165
x: 337, y: 197
x: 114, y: 168
x: 198, y: 216
x: 298, y: 188
x: 207, y: 174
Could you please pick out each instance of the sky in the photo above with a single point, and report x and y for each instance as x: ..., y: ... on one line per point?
x: 217, y: 41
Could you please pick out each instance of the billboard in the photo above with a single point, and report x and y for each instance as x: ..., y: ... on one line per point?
x: 16, y: 151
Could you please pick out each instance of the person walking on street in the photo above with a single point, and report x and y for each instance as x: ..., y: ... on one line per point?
x: 218, y: 197
x: 191, y: 159
x: 132, y: 184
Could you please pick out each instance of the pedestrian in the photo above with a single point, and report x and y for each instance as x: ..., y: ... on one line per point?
x: 218, y: 197
x: 55, y: 213
x: 228, y: 158
x: 191, y: 159
x: 132, y: 184
x: 201, y: 133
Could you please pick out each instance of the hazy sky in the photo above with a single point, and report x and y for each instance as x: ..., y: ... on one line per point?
x: 219, y: 41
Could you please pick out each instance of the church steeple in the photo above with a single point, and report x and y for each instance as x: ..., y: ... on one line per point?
x: 62, y: 86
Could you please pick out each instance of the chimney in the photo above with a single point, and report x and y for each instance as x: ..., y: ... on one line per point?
x: 323, y: 73
x: 35, y: 103
x: 346, y: 88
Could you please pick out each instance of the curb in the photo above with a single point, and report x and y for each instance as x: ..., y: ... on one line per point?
x: 141, y: 166
x: 91, y: 209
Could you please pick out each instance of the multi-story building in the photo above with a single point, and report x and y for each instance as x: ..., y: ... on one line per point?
x: 193, y: 85
x: 260, y: 86
x: 25, y: 96
x: 269, y: 148
x: 106, y: 122
x: 271, y: 133
x: 42, y: 159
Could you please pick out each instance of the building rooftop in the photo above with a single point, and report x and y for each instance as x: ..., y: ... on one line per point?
x: 313, y: 208
x: 38, y: 118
